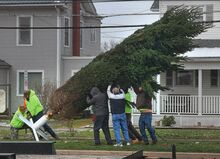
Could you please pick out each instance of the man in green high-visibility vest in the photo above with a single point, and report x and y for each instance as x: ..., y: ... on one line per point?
x: 133, y: 133
x: 16, y: 123
x: 36, y: 110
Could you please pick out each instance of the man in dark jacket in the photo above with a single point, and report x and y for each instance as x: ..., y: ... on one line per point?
x: 100, y: 109
x: 145, y: 107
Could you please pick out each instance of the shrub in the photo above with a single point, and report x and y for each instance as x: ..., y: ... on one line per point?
x: 168, y: 120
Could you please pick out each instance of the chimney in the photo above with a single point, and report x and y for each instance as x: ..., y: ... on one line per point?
x: 76, y: 25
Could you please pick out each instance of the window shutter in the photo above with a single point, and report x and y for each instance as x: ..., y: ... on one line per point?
x: 209, y: 10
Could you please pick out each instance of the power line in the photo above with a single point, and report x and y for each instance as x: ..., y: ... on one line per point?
x: 137, y: 14
x: 83, y: 27
x: 119, y: 31
x: 104, y: 15
x: 92, y: 27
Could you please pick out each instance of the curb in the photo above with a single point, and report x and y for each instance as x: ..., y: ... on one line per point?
x: 149, y: 154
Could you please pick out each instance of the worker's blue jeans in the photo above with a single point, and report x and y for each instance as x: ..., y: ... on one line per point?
x: 119, y: 122
x: 145, y: 123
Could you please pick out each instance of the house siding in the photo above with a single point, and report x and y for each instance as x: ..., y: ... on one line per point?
x: 74, y: 64
x: 90, y: 48
x: 66, y: 51
x: 3, y: 77
x: 40, y: 56
x: 212, y: 33
x: 193, y: 90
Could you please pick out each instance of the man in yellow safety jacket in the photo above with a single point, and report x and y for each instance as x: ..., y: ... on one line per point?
x: 36, y: 110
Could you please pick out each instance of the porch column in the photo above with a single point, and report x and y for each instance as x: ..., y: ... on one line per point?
x: 8, y: 92
x: 158, y: 96
x: 58, y: 47
x: 200, y: 92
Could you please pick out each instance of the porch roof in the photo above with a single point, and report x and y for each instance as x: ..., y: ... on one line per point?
x: 205, y: 53
x: 3, y: 64
x: 203, y: 59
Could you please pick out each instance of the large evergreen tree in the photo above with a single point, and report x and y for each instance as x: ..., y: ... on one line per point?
x: 146, y: 53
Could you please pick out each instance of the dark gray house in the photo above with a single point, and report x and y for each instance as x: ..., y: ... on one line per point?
x: 31, y: 53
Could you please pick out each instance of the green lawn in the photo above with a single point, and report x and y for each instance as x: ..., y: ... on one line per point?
x: 186, y: 140
x: 183, y: 146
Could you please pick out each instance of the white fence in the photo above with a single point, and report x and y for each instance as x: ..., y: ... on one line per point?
x: 210, y: 105
x: 188, y: 104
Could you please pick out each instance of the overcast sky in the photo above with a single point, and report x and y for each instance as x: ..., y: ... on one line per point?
x: 133, y: 7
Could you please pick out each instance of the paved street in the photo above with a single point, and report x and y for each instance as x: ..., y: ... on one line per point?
x: 65, y: 157
x: 90, y: 154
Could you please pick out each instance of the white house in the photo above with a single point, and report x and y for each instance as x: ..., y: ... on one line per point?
x: 194, y: 97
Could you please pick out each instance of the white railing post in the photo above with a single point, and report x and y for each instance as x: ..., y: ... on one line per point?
x: 200, y: 92
x: 158, y: 96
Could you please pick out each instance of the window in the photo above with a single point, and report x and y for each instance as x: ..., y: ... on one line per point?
x: 184, y: 78
x: 209, y: 13
x: 93, y: 35
x: 33, y: 79
x: 214, y: 78
x: 24, y: 35
x: 196, y: 78
x: 202, y: 16
x: 67, y: 32
x: 169, y: 78
x: 3, y: 102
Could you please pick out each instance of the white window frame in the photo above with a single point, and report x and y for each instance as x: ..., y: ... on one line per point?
x: 81, y: 35
x: 93, y: 33
x: 17, y: 31
x: 28, y: 71
x: 73, y: 72
x: 203, y: 11
x: 68, y: 32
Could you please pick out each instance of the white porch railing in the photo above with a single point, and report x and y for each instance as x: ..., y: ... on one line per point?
x: 210, y: 105
x: 188, y: 104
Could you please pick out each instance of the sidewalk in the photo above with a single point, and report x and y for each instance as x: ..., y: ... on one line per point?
x: 150, y: 154
x: 90, y: 154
